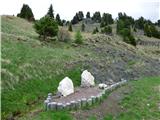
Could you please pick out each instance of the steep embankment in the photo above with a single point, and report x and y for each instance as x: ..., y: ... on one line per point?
x: 31, y: 69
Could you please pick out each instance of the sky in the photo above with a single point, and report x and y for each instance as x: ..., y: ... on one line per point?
x: 149, y: 9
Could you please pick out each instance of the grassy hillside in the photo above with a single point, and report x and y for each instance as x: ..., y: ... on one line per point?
x: 32, y: 68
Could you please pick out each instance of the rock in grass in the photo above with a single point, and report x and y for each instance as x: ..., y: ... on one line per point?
x: 66, y: 87
x: 49, y: 94
x: 49, y: 99
x: 87, y: 79
x: 102, y: 86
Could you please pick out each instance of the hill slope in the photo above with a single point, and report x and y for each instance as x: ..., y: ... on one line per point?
x: 31, y: 69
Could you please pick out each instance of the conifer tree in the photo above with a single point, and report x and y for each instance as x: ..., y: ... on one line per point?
x: 58, y: 19
x: 70, y: 27
x: 83, y: 27
x: 26, y: 13
x: 50, y: 12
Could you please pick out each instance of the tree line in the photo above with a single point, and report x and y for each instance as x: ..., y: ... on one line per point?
x: 48, y: 25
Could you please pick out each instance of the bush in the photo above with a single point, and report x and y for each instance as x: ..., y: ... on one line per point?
x: 63, y: 35
x: 83, y: 27
x: 46, y: 26
x: 95, y: 31
x: 70, y: 27
x: 78, y: 38
x: 107, y: 30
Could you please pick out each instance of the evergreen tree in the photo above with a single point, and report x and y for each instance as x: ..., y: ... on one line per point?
x: 78, y: 37
x: 124, y: 24
x: 106, y: 20
x: 96, y: 17
x: 75, y: 19
x: 26, y: 13
x: 107, y: 30
x: 46, y: 26
x: 140, y: 23
x: 50, y: 12
x: 95, y: 31
x: 83, y: 27
x: 70, y: 27
x: 147, y: 30
x: 80, y: 16
x: 58, y: 19
x: 158, y: 23
x: 88, y: 15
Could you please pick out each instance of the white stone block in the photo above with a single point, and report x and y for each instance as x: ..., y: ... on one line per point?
x: 66, y: 87
x: 87, y: 79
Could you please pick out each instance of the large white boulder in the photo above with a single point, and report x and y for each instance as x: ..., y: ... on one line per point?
x: 87, y: 79
x: 66, y: 86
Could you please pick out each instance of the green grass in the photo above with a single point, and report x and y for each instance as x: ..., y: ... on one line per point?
x: 31, y: 69
x: 50, y: 115
x: 142, y: 102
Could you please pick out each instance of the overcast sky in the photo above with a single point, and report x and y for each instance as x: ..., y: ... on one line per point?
x: 149, y: 9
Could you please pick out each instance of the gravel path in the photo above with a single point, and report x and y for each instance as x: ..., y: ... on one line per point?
x: 79, y: 94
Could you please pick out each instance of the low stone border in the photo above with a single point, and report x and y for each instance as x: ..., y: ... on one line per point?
x: 77, y: 104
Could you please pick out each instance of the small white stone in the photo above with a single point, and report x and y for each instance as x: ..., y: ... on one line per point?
x: 87, y: 79
x: 66, y: 87
x: 102, y: 86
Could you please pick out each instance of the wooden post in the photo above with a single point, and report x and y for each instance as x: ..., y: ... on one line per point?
x: 89, y: 102
x: 73, y: 105
x: 84, y: 102
x: 59, y: 106
x: 45, y: 104
x: 53, y: 106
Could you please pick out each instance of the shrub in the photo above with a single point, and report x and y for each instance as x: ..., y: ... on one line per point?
x: 107, y: 30
x: 63, y: 35
x: 83, y: 27
x: 59, y: 21
x: 78, y: 38
x: 70, y: 27
x: 46, y: 26
x: 95, y: 31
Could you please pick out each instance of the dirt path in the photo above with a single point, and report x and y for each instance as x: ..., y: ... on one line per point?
x: 110, y: 106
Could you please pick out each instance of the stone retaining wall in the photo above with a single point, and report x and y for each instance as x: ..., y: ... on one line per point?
x: 77, y: 104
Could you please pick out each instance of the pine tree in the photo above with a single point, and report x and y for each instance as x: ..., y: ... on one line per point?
x: 50, y: 12
x: 88, y: 15
x: 58, y: 19
x: 83, y: 27
x: 70, y: 27
x: 46, y: 26
x: 78, y: 37
x: 26, y: 13
x: 96, y: 17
